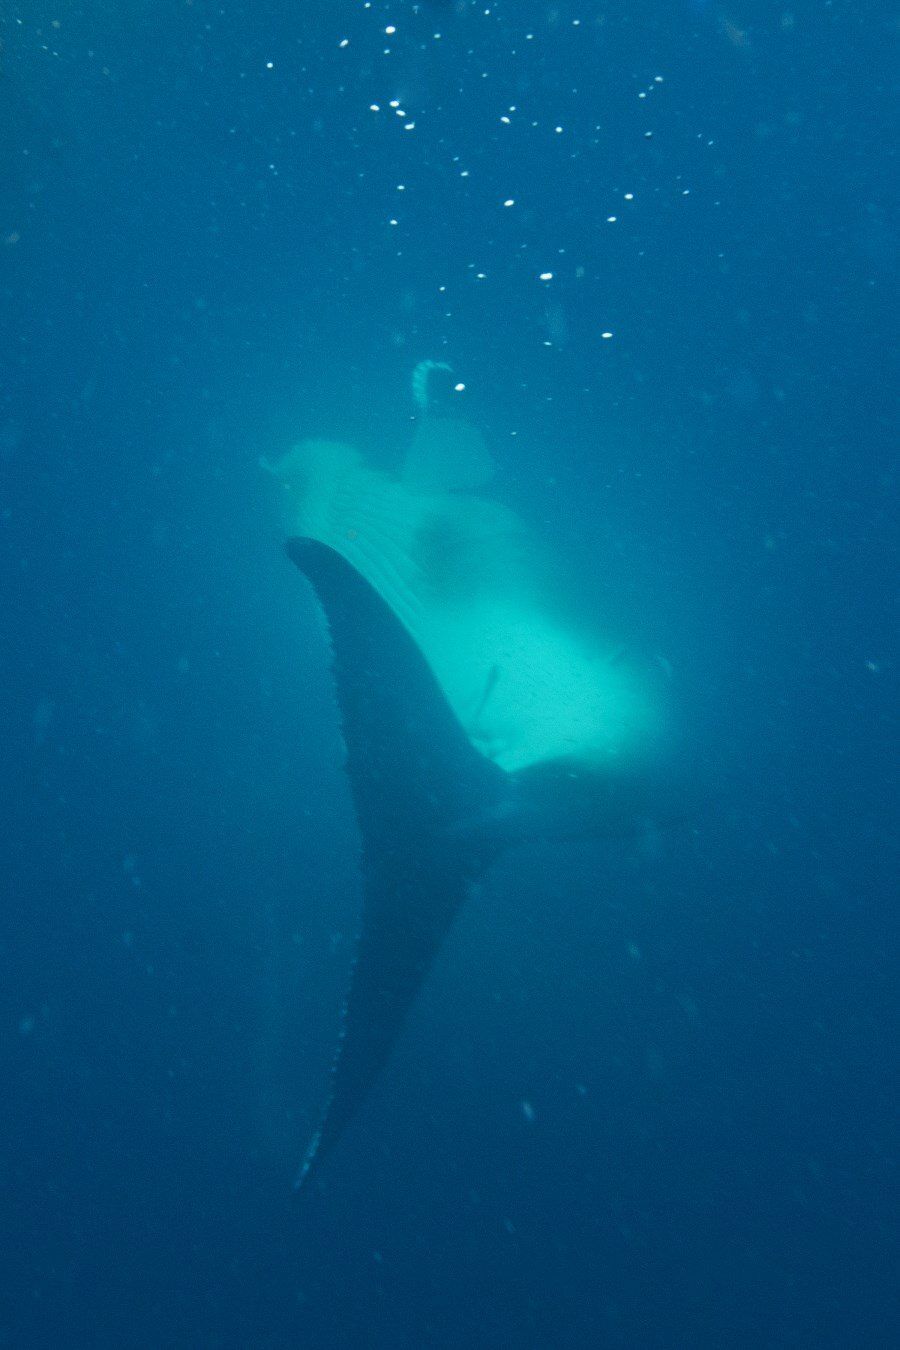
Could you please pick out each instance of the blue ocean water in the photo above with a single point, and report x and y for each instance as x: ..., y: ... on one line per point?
x: 648, y: 1095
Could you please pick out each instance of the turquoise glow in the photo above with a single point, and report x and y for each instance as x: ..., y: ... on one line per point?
x: 460, y: 572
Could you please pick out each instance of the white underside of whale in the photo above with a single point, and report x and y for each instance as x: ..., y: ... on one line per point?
x: 461, y: 573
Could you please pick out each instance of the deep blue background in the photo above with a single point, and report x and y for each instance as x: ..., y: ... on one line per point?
x: 198, y: 264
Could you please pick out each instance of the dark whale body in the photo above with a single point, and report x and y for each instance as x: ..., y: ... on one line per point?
x: 433, y: 814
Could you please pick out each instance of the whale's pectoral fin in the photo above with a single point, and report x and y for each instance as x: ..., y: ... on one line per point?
x: 414, y: 775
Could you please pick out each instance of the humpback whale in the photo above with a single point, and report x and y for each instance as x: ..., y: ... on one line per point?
x: 472, y: 719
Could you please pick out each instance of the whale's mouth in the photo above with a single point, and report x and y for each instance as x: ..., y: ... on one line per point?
x: 469, y: 583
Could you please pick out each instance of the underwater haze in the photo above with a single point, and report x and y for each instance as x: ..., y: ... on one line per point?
x: 647, y: 1096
